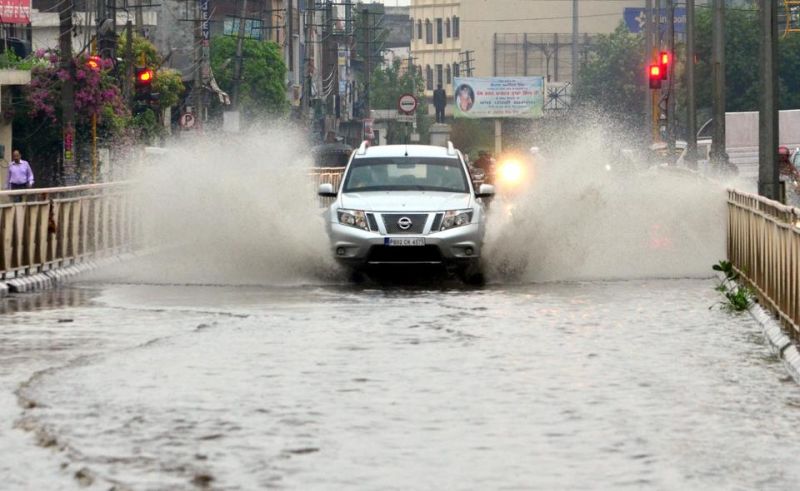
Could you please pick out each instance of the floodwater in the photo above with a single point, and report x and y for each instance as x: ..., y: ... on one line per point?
x: 238, y: 358
x: 583, y: 385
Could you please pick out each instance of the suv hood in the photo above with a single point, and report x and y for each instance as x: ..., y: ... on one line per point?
x: 405, y: 201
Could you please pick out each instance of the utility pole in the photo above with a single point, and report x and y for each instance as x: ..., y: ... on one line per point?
x: 67, y: 92
x: 367, y: 59
x: 127, y: 89
x: 718, y: 156
x: 768, y: 119
x: 691, y: 100
x: 575, y: 62
x: 138, y: 17
x: 237, y: 68
x: 648, y: 59
x: 670, y: 102
x: 197, y: 89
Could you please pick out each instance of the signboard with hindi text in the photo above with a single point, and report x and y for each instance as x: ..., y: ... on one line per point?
x: 15, y: 11
x: 498, y: 97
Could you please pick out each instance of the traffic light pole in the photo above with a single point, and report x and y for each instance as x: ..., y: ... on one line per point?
x: 719, y: 157
x: 691, y: 102
x: 648, y: 58
x: 768, y: 119
x: 67, y: 93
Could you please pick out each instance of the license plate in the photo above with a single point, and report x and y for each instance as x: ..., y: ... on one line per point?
x: 404, y: 241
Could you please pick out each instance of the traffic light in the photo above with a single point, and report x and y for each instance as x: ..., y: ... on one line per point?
x: 654, y: 74
x: 144, y: 84
x: 93, y: 63
x: 664, y: 59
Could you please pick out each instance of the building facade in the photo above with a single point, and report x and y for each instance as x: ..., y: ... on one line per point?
x: 436, y: 44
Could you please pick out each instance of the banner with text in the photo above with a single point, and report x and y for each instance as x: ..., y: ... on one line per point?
x: 15, y: 11
x: 498, y: 97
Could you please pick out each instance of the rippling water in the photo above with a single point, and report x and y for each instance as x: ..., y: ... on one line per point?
x: 573, y: 385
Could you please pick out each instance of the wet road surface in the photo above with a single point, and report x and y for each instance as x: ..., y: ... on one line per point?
x: 586, y: 385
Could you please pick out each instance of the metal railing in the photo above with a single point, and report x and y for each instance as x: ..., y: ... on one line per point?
x: 764, y: 247
x: 54, y: 227
x: 323, y: 175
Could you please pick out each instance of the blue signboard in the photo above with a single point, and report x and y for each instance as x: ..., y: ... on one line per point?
x: 635, y: 19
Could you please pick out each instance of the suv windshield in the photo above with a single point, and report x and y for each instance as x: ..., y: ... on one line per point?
x: 406, y: 174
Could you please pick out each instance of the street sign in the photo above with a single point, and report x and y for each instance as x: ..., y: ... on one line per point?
x: 635, y: 19
x: 187, y: 120
x: 407, y: 103
x: 405, y: 118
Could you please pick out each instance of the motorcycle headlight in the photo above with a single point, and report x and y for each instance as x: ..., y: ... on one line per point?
x: 456, y: 218
x: 357, y: 218
x: 510, y: 172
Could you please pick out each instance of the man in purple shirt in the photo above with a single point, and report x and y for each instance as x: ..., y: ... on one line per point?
x: 20, y: 175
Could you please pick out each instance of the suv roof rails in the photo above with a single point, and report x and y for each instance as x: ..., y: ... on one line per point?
x: 451, y: 150
x: 362, y: 149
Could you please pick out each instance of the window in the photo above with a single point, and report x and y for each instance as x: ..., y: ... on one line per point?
x: 428, y: 77
x: 412, y: 29
x: 438, y: 75
x: 406, y: 174
x: 428, y: 32
x: 447, y: 27
x: 439, y: 32
x: 456, y: 70
x: 448, y: 78
x: 456, y: 27
x: 419, y: 30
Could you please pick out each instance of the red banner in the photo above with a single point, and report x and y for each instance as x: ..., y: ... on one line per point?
x: 15, y: 11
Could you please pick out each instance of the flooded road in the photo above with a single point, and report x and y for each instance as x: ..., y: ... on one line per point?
x: 535, y: 386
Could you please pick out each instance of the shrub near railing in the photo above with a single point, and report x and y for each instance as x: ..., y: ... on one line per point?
x: 56, y: 227
x: 764, y: 247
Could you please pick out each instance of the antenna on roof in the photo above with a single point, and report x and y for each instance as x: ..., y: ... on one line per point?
x: 363, y: 148
x: 451, y: 150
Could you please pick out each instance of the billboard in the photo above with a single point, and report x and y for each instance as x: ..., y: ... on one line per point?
x: 498, y: 97
x: 15, y: 11
x: 635, y: 19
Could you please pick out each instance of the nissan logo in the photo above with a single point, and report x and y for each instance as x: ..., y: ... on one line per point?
x: 404, y: 223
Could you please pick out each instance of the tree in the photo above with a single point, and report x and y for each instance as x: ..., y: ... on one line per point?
x: 613, y: 78
x: 388, y: 84
x: 262, y: 92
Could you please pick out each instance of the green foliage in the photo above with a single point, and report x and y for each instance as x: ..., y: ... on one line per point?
x: 169, y: 85
x: 739, y: 297
x: 142, y: 47
x: 262, y: 92
x: 612, y: 80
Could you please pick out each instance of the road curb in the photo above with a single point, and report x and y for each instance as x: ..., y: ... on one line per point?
x: 780, y: 343
x: 51, y: 278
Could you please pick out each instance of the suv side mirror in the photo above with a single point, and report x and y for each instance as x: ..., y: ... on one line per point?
x: 485, y: 191
x: 326, y: 190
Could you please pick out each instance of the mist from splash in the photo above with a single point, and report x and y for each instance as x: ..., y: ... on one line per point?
x: 232, y: 209
x: 586, y: 214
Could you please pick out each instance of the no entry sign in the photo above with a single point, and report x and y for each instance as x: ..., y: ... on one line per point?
x: 407, y: 103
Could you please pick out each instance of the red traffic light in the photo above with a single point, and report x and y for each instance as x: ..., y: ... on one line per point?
x: 144, y: 76
x: 93, y: 63
x: 654, y: 73
x: 664, y: 59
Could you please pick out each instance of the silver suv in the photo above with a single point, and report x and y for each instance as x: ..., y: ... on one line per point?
x: 407, y: 204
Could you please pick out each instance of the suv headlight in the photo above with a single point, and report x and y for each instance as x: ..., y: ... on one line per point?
x: 353, y: 218
x: 456, y: 218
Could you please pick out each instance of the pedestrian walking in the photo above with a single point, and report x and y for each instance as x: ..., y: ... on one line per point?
x: 439, y: 102
x: 20, y: 175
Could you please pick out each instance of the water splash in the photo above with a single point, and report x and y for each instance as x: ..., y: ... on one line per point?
x: 238, y: 208
x: 587, y: 215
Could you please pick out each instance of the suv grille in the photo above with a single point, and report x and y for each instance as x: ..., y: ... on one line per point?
x: 417, y: 223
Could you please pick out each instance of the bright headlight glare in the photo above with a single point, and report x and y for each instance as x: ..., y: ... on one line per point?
x: 510, y: 171
x: 456, y: 218
x: 353, y: 218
